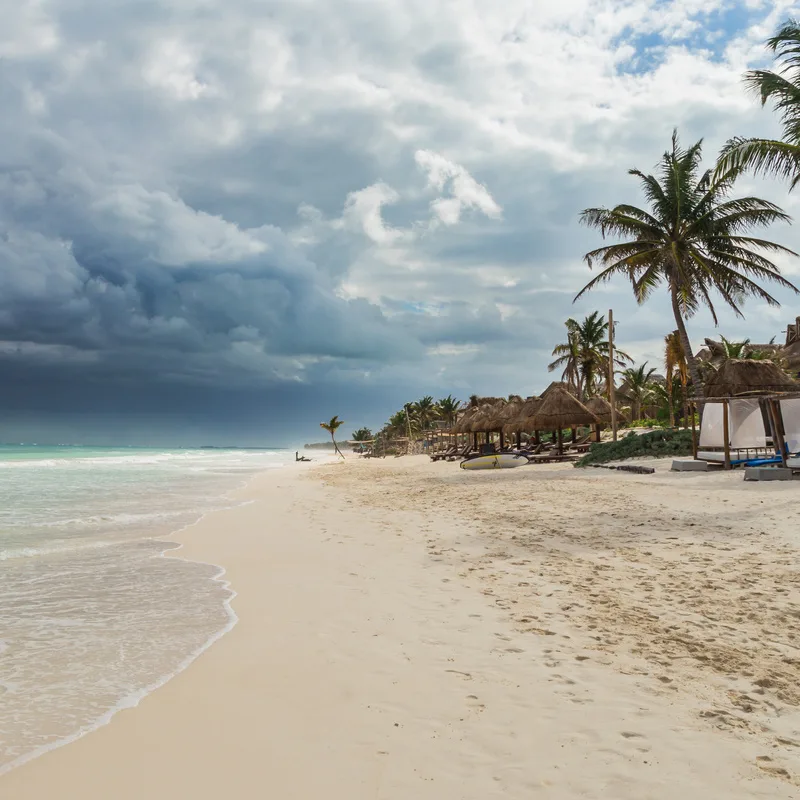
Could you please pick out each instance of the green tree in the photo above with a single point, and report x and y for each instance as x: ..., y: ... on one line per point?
x: 692, y: 241
x: 585, y: 354
x: 777, y: 157
x: 332, y: 426
x: 637, y: 387
x: 361, y: 435
x: 426, y: 411
x: 448, y: 408
x: 568, y: 357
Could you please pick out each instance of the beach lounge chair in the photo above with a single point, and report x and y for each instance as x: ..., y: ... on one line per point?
x: 450, y: 451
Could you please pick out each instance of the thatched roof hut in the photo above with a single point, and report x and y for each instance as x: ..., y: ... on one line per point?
x: 601, y: 408
x: 489, y: 416
x: 558, y: 385
x: 519, y: 421
x: 749, y: 376
x: 561, y: 410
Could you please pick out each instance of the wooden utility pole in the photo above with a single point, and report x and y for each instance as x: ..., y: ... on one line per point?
x: 612, y: 392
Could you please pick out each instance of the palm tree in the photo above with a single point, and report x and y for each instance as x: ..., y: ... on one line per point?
x: 675, y: 364
x: 569, y: 356
x: 332, y: 426
x: 778, y: 157
x: 425, y: 411
x: 361, y: 435
x: 692, y: 240
x: 637, y: 387
x: 448, y: 408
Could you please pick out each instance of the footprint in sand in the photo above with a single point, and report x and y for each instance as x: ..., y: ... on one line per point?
x: 465, y: 675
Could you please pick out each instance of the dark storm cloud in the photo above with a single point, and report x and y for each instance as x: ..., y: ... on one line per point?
x: 222, y: 207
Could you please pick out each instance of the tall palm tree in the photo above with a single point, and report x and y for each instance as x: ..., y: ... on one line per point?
x: 448, y: 408
x: 692, y: 240
x: 637, y: 387
x: 425, y: 411
x: 332, y: 426
x: 778, y: 157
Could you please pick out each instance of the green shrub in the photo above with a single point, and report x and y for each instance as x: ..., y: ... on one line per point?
x: 656, y: 444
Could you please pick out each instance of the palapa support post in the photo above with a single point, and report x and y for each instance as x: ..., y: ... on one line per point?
x: 726, y: 436
x: 560, y: 442
x: 536, y: 438
x: 612, y: 391
x: 502, y: 441
x: 574, y: 435
x: 597, y: 432
x: 778, y: 437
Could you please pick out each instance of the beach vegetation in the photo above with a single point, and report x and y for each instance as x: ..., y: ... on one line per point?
x: 692, y: 238
x: 332, y: 426
x: 584, y: 356
x: 655, y: 444
x: 637, y: 387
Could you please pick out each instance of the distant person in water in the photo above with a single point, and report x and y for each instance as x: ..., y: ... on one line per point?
x: 298, y: 457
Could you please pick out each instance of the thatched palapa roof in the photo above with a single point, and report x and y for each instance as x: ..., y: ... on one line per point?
x: 601, y: 408
x: 518, y: 421
x: 561, y: 410
x: 749, y: 376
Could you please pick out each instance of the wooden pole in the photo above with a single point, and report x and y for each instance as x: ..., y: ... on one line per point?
x: 780, y: 442
x: 612, y: 392
x: 560, y: 442
x: 726, y: 437
x: 694, y: 431
x: 597, y: 432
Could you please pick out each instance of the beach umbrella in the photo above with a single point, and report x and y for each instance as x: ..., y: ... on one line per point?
x: 561, y: 410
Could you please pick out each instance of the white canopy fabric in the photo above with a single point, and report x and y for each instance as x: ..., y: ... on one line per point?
x: 790, y: 411
x: 747, y: 424
x: 711, y: 434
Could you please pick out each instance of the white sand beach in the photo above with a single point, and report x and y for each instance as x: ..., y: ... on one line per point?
x: 411, y: 630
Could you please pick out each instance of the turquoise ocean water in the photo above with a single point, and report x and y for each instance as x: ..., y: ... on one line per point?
x: 91, y: 616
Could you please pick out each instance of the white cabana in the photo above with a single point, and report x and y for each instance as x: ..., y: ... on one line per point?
x: 790, y: 412
x: 745, y: 423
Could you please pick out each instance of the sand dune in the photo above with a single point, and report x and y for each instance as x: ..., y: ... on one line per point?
x: 411, y: 630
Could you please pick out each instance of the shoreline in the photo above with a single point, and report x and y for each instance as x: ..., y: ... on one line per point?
x: 172, y: 547
x: 377, y: 642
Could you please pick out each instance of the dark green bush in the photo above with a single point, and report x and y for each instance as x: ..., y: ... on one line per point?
x: 656, y: 444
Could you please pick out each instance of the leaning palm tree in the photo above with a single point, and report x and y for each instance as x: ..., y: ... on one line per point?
x: 332, y: 426
x: 675, y: 366
x: 637, y: 383
x: 693, y: 240
x: 777, y: 157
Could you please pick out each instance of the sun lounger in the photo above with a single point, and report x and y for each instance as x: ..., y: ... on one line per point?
x: 451, y: 451
x: 551, y: 458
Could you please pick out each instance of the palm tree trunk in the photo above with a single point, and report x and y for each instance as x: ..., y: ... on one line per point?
x: 691, y: 363
x: 336, y: 446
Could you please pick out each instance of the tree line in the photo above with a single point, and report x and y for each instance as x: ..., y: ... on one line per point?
x: 694, y: 238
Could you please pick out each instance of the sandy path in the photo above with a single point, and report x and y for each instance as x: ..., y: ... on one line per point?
x: 394, y: 643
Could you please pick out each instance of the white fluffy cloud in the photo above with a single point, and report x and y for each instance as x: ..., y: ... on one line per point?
x: 386, y: 197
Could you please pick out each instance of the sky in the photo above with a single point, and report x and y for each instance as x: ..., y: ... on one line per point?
x: 223, y: 221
